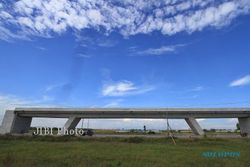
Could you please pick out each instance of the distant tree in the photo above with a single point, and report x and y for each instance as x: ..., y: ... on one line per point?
x: 144, y: 128
x: 238, y: 126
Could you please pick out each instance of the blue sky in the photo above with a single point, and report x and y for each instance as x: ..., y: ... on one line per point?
x: 125, y: 54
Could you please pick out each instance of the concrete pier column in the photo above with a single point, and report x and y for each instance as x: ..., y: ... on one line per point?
x: 244, y: 126
x: 12, y: 123
x: 194, y: 125
x: 71, y: 123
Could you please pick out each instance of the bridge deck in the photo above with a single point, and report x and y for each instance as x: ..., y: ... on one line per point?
x: 19, y: 120
x: 157, y: 113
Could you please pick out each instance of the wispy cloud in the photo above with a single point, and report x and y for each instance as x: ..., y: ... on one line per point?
x: 158, y: 51
x: 106, y: 43
x: 43, y: 18
x: 82, y: 55
x: 41, y: 48
x: 92, y: 41
x: 9, y: 36
x: 124, y: 88
x: 241, y: 81
x: 8, y: 101
x: 189, y: 90
x: 197, y: 89
x: 59, y: 91
x: 114, y: 103
x: 53, y: 87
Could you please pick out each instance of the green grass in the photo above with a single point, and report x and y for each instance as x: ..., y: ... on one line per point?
x: 119, y: 152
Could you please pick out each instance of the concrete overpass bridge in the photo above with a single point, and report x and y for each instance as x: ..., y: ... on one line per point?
x: 19, y: 119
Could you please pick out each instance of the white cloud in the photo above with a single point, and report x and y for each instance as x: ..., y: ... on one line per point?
x: 241, y: 81
x: 200, y: 119
x: 158, y: 51
x: 118, y: 89
x: 129, y: 17
x: 95, y: 16
x: 123, y: 88
x: 10, y: 102
x: 136, y: 123
x: 5, y: 15
x: 96, y: 40
x: 219, y: 123
x: 7, y: 35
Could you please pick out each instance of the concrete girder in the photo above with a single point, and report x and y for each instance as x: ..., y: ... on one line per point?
x: 194, y: 125
x: 244, y: 123
x: 71, y: 123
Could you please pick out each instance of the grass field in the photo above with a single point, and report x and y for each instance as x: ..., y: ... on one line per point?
x: 119, y: 152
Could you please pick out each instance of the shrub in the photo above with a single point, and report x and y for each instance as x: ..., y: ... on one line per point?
x: 151, y: 132
x: 134, y: 140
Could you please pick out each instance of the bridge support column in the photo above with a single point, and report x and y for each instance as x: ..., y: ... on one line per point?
x: 194, y: 125
x: 244, y: 126
x: 71, y: 123
x: 12, y: 123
